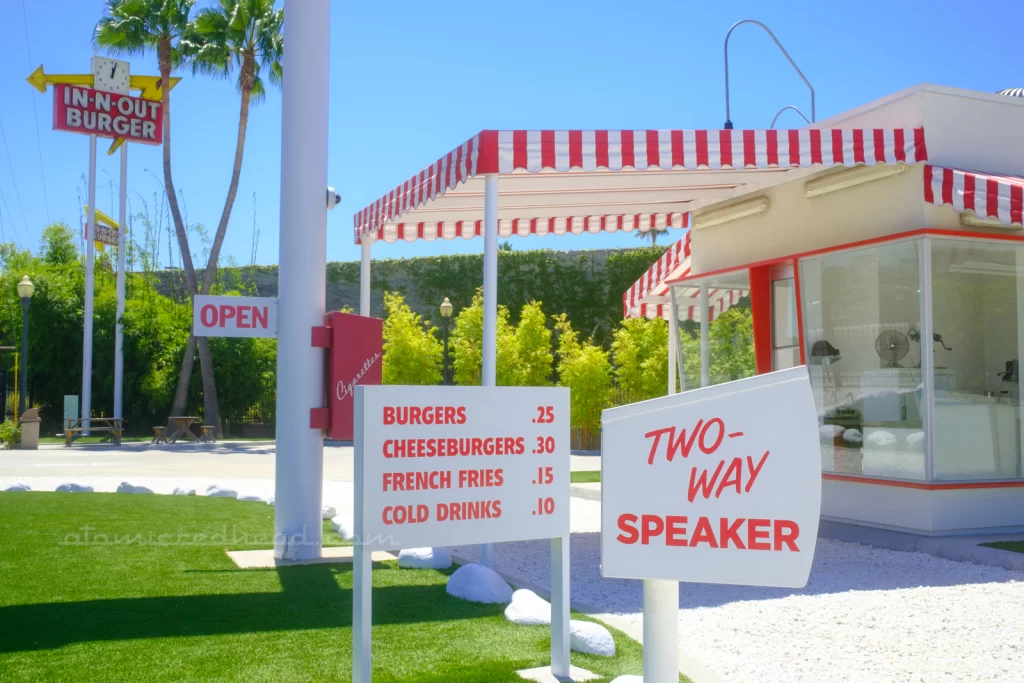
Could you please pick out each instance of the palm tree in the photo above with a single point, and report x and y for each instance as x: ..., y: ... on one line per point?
x: 135, y: 27
x: 653, y: 234
x: 243, y: 35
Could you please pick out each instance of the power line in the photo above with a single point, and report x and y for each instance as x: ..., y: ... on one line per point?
x: 14, y: 179
x: 35, y: 113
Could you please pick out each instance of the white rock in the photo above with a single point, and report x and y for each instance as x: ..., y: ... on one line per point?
x: 328, y: 512
x: 270, y: 501
x: 628, y: 678
x: 18, y: 487
x: 425, y: 558
x: 218, y: 491
x: 830, y: 432
x: 477, y: 583
x: 179, y: 491
x: 72, y: 487
x: 915, y: 440
x: 126, y: 487
x: 251, y: 498
x: 344, y: 527
x: 591, y: 638
x: 528, y: 608
x: 881, y: 439
x: 853, y: 436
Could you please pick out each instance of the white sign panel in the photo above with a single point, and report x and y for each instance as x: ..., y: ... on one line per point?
x: 441, y: 466
x: 234, y: 316
x: 715, y: 485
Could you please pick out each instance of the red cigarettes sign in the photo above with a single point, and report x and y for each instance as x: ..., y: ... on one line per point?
x: 234, y: 316
x: 355, y: 357
x: 716, y: 485
x: 109, y: 115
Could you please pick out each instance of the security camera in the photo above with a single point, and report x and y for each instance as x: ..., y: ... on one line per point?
x: 333, y: 198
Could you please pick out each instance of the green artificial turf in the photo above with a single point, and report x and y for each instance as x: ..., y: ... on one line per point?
x: 586, y: 477
x: 152, y: 596
x: 1012, y: 546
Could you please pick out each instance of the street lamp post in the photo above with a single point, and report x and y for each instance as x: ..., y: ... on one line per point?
x: 446, y: 314
x: 25, y: 291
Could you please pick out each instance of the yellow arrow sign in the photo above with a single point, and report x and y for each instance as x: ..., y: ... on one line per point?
x: 150, y: 87
x: 102, y: 218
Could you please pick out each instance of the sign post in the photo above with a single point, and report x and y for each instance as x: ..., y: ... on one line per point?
x: 443, y: 466
x: 715, y: 485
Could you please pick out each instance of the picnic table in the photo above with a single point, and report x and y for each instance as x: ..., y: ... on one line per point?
x: 74, y: 427
x: 182, y: 427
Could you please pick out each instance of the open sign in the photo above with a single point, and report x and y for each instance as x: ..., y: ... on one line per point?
x: 234, y: 316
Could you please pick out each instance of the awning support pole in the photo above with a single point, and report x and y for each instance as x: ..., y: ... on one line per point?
x: 490, y: 332
x: 302, y: 297
x: 673, y: 345
x: 705, y: 344
x: 364, y: 276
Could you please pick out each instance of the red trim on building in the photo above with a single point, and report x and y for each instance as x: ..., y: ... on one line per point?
x: 925, y: 486
x: 761, y: 311
x: 799, y: 312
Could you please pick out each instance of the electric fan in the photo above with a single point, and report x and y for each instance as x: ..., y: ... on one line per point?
x: 891, y: 346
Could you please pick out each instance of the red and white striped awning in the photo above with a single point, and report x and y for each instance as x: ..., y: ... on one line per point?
x: 578, y: 181
x: 984, y: 194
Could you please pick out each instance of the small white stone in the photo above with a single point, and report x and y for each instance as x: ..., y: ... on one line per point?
x: 830, y: 432
x: 251, y: 498
x: 477, y: 583
x: 591, y: 638
x: 72, y: 487
x: 915, y: 440
x: 425, y: 558
x: 528, y: 608
x: 881, y: 439
x: 328, y: 512
x: 344, y: 527
x: 853, y: 436
x: 126, y: 487
x: 179, y: 491
x: 218, y: 491
x: 18, y: 487
x: 628, y: 678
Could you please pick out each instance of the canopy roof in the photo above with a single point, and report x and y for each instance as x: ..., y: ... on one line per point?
x: 577, y: 181
x: 986, y: 195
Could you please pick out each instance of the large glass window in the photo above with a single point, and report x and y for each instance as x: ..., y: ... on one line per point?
x: 785, y: 332
x: 976, y: 295
x: 861, y: 312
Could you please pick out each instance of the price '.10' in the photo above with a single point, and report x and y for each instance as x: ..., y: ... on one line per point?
x: 545, y: 506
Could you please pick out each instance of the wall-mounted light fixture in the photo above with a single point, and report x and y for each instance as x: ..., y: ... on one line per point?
x: 850, y: 177
x: 732, y: 212
x: 970, y: 219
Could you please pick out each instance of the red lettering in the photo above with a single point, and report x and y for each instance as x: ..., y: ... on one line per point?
x: 718, y: 441
x: 227, y: 312
x: 414, y: 415
x: 681, y: 444
x: 243, y: 316
x: 703, y: 534
x: 208, y: 315
x: 736, y: 472
x: 389, y: 415
x: 629, y: 533
x: 449, y: 415
x: 757, y: 534
x: 652, y: 525
x: 786, y: 531
x: 705, y: 486
x: 754, y: 471
x: 676, y: 534
x: 729, y: 532
x: 462, y: 415
x: 260, y: 317
x: 657, y: 439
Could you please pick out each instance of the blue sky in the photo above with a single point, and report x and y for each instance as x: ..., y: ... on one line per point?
x: 412, y: 80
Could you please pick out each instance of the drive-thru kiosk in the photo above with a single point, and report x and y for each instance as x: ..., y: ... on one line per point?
x: 900, y: 285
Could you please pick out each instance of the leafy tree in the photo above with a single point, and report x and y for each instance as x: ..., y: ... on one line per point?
x: 585, y: 369
x: 640, y: 351
x: 136, y: 27
x: 533, y: 346
x: 731, y: 348
x: 467, y: 346
x: 412, y: 353
x: 58, y: 245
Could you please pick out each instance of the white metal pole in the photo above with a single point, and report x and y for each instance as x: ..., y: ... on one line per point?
x: 490, y: 332
x: 302, y: 295
x: 560, y: 607
x: 90, y: 257
x: 705, y: 342
x: 364, y: 276
x: 661, y: 630
x: 661, y: 597
x: 122, y: 241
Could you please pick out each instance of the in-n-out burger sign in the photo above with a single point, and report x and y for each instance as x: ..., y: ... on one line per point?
x: 718, y: 485
x: 94, y: 112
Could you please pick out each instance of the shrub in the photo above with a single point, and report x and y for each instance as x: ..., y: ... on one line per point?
x: 533, y: 346
x: 467, y: 342
x: 640, y: 351
x: 412, y: 352
x: 586, y: 370
x: 10, y: 433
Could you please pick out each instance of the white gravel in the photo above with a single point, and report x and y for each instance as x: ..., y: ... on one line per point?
x: 867, y: 614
